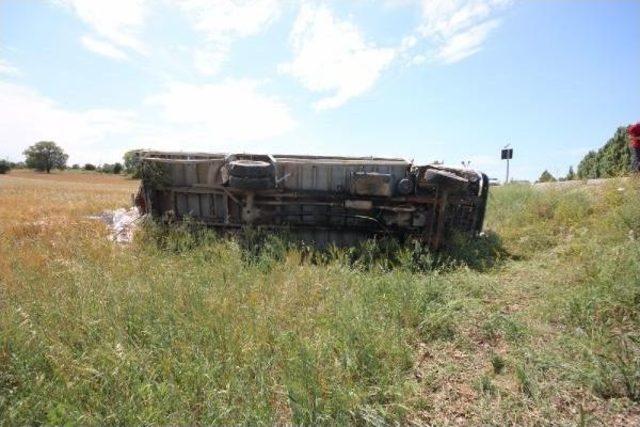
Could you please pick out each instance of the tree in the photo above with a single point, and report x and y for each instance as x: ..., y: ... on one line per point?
x: 89, y: 167
x: 5, y: 167
x: 117, y: 168
x: 44, y: 156
x: 613, y: 159
x: 132, y: 163
x: 588, y: 166
x: 571, y: 175
x: 546, y: 177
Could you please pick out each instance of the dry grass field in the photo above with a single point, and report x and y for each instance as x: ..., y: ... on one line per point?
x: 29, y: 197
x: 538, y: 323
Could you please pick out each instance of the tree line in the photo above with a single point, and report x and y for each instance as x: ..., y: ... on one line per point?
x: 611, y: 160
x: 45, y: 156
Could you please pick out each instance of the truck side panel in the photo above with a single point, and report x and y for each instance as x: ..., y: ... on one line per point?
x: 323, y: 200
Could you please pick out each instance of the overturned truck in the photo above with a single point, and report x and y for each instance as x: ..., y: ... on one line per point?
x: 320, y: 200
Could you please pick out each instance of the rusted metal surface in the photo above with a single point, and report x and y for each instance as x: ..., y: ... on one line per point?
x: 323, y: 200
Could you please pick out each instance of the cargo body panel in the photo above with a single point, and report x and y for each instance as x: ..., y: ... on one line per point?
x: 322, y: 200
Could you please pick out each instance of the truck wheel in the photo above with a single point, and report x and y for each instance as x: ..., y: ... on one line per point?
x: 250, y: 169
x: 405, y: 186
x: 445, y: 180
x: 261, y: 183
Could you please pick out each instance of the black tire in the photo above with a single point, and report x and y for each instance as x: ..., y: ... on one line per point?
x: 250, y: 169
x: 262, y: 183
x: 405, y: 186
x: 445, y: 180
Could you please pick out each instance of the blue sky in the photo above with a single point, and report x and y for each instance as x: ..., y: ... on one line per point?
x: 422, y: 79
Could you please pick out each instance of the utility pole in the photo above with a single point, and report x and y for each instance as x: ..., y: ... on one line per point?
x: 507, y: 154
x: 507, y: 180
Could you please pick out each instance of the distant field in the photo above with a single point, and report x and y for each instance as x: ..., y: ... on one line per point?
x: 537, y: 323
x: 80, y: 176
x: 27, y: 197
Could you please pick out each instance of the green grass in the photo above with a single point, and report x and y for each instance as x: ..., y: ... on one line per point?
x: 537, y: 321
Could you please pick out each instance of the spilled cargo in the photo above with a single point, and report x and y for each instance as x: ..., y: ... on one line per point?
x: 320, y: 200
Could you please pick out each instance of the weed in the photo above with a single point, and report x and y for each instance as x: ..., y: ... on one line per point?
x: 438, y: 323
x: 486, y: 386
x: 498, y: 363
x: 501, y: 325
x: 617, y: 372
x: 525, y: 383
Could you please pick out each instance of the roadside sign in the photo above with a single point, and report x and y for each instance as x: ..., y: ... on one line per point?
x: 507, y: 154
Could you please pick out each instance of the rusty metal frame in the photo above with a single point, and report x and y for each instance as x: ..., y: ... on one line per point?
x: 299, y: 191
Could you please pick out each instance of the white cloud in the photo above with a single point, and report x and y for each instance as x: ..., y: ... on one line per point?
x: 221, y: 22
x: 224, y: 18
x: 233, y: 110
x: 331, y: 55
x: 103, y: 48
x: 27, y: 117
x: 118, y: 21
x: 418, y: 59
x: 446, y: 17
x: 8, y: 69
x: 233, y: 115
x: 466, y: 43
x: 457, y: 29
x: 209, y: 59
x: 408, y: 42
x: 119, y: 25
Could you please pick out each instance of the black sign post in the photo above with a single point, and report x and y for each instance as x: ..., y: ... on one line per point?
x: 507, y: 154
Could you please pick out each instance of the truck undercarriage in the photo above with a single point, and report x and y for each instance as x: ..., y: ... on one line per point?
x: 320, y: 200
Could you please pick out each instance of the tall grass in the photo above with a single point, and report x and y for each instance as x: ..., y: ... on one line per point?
x: 534, y: 320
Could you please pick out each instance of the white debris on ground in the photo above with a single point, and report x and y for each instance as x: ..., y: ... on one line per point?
x: 121, y: 222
